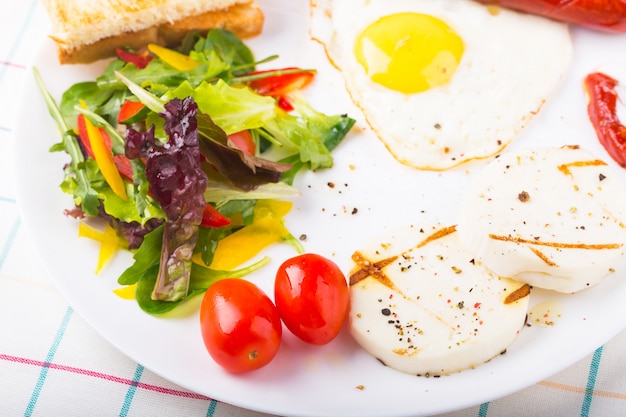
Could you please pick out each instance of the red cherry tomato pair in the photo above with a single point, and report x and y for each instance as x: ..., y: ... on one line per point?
x: 241, y: 327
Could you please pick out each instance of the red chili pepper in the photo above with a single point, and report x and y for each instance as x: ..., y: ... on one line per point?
x: 602, y: 112
x: 213, y: 218
x: 140, y: 59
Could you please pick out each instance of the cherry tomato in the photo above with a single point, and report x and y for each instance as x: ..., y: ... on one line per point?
x: 240, y: 325
x: 312, y: 297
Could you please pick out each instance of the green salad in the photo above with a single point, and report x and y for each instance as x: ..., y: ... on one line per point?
x: 188, y: 157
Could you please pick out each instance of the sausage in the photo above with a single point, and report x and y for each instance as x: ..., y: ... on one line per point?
x: 603, y: 15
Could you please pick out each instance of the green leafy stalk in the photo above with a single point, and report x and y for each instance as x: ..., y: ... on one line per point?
x: 84, y: 195
x: 149, y: 100
x: 217, y: 192
x: 266, y: 74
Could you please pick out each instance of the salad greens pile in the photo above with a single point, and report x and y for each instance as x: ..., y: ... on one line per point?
x: 171, y: 148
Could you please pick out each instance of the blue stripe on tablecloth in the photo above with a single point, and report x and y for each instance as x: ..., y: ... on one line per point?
x: 591, y: 382
x: 9, y: 242
x: 211, y: 410
x: 130, y: 394
x: 49, y: 357
x: 18, y: 38
x: 482, y: 411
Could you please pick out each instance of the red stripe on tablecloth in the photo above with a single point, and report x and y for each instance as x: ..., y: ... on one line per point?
x: 104, y: 376
x: 11, y: 64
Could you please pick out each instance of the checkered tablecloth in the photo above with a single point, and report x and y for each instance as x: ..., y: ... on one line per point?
x: 53, y: 364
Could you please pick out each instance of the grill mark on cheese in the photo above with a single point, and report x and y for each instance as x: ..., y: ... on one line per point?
x: 543, y: 257
x: 367, y: 268
x: 437, y: 235
x: 518, y: 294
x: 375, y: 269
x: 565, y: 168
x: 561, y: 245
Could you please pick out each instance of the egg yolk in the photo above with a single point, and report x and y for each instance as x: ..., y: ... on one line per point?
x: 409, y: 52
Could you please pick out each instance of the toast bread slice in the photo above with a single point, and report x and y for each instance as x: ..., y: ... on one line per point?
x: 90, y: 37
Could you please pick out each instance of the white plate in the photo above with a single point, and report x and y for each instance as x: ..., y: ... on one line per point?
x: 338, y: 379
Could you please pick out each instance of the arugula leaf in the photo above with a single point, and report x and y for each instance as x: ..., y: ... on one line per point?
x: 208, y: 237
x: 225, y: 45
x: 89, y: 92
x: 145, y: 257
x: 312, y: 134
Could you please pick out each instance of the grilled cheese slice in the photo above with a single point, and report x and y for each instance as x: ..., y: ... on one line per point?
x: 421, y: 305
x: 88, y: 31
x: 554, y: 218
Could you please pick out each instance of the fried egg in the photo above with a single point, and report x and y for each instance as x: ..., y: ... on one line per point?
x: 554, y: 218
x: 442, y: 81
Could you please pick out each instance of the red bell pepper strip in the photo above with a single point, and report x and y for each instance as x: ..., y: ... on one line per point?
x: 140, y: 59
x: 84, y: 137
x: 124, y: 166
x: 132, y: 112
x: 284, y: 104
x: 122, y: 163
x: 244, y: 142
x: 213, y: 218
x: 602, y: 112
x: 283, y: 82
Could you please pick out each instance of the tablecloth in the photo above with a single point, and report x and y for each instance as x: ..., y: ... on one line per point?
x: 53, y: 364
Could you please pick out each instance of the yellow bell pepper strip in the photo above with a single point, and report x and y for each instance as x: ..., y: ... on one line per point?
x: 127, y: 292
x: 266, y: 228
x: 177, y: 60
x: 109, y: 242
x: 104, y: 158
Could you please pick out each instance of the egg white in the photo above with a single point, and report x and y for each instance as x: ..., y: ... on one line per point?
x: 512, y: 63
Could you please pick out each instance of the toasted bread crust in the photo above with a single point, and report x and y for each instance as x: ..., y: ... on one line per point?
x: 245, y: 20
